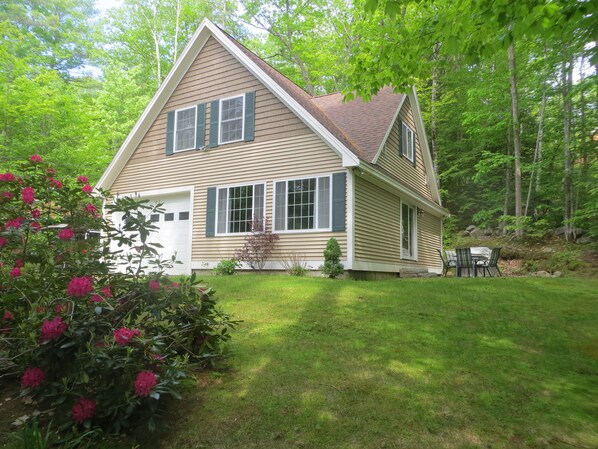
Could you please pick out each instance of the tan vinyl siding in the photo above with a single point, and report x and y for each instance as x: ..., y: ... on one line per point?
x: 378, y: 229
x: 391, y: 160
x: 237, y: 164
x: 216, y: 74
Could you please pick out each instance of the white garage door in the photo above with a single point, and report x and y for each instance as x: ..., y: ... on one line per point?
x: 173, y: 233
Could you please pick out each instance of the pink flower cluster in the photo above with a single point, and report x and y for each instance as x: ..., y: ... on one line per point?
x: 154, y: 285
x: 53, y: 329
x: 55, y: 183
x: 66, y: 234
x: 145, y: 381
x: 82, y: 180
x: 3, y: 242
x: 28, y: 195
x: 32, y: 377
x: 35, y: 213
x: 14, y: 223
x: 83, y: 409
x: 79, y: 286
x: 8, y: 195
x: 8, y: 177
x: 87, y: 188
x: 35, y: 158
x: 15, y: 272
x: 123, y: 336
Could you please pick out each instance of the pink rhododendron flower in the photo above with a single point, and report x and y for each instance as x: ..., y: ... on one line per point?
x: 8, y: 177
x: 35, y: 158
x: 91, y: 208
x: 7, y: 316
x: 35, y: 213
x: 50, y: 171
x: 82, y: 180
x: 66, y: 234
x: 123, y: 336
x: 15, y: 272
x: 145, y: 381
x: 106, y: 291
x: 35, y: 226
x: 15, y: 223
x: 96, y: 298
x: 19, y: 263
x: 154, y: 285
x: 32, y: 377
x: 8, y: 195
x: 79, y: 286
x: 56, y: 183
x: 83, y: 409
x: 3, y: 242
x: 53, y: 329
x: 87, y: 188
x: 60, y: 308
x: 28, y: 195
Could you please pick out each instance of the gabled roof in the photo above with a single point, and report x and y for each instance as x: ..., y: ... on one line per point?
x: 354, y: 130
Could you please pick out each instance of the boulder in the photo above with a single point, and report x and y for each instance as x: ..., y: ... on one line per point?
x: 584, y: 240
x: 557, y: 274
x: 470, y: 228
x: 559, y: 231
x: 488, y: 231
x: 579, y: 232
x: 477, y: 233
x: 541, y: 274
x: 465, y: 234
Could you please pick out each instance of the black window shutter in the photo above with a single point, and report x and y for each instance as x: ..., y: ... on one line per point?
x: 339, y: 181
x: 200, y: 126
x: 401, y: 138
x: 249, y: 116
x: 170, y: 132
x: 214, y: 108
x: 211, y: 212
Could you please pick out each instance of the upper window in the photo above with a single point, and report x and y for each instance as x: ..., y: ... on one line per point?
x: 408, y: 143
x: 184, y: 129
x: 302, y: 204
x: 231, y: 119
x: 238, y: 206
x: 408, y: 232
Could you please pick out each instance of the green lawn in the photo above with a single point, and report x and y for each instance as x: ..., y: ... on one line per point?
x: 434, y: 363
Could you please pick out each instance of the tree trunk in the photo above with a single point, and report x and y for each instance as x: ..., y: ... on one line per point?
x: 433, y: 110
x: 176, y: 32
x: 505, y: 210
x: 537, y: 152
x: 516, y: 138
x: 567, y: 69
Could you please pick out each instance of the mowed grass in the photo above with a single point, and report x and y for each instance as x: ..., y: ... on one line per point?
x: 422, y: 363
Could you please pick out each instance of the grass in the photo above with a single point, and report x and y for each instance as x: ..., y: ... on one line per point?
x: 438, y: 363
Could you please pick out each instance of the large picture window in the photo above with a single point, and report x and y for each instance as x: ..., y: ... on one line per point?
x: 408, y: 231
x: 184, y: 131
x: 237, y: 206
x: 408, y: 143
x: 231, y: 119
x: 302, y: 204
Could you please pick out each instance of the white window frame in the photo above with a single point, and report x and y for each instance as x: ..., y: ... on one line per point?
x: 220, y: 141
x: 316, y: 202
x: 413, y: 240
x: 176, y: 122
x: 408, y: 142
x: 230, y: 186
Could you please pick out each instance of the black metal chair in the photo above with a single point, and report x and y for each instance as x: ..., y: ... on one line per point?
x: 447, y: 263
x: 465, y: 265
x: 491, y: 264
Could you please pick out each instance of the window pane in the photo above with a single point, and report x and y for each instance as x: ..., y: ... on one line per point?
x: 222, y: 195
x: 183, y: 216
x: 280, y: 206
x: 407, y: 230
x: 169, y: 216
x: 185, y: 129
x: 323, y: 202
x: 231, y: 119
x: 300, y: 203
x: 240, y: 208
x: 258, y: 202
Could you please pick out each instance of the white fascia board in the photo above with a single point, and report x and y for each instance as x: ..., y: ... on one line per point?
x: 388, y: 131
x: 425, y: 149
x: 412, y: 197
x: 349, y: 159
x: 155, y: 106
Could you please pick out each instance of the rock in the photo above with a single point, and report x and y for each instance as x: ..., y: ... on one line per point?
x: 488, y: 231
x: 559, y: 231
x: 470, y: 228
x: 557, y: 274
x: 465, y: 234
x: 477, y: 233
x: 584, y: 240
x: 579, y: 232
x: 541, y: 274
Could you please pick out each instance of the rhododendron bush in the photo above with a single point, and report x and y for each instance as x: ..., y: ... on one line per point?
x: 94, y: 345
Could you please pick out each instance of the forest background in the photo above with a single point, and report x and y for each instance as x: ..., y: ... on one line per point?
x: 508, y: 89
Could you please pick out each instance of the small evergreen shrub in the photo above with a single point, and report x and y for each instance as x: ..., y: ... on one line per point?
x: 258, y: 246
x: 94, y: 346
x: 226, y: 267
x: 332, y: 254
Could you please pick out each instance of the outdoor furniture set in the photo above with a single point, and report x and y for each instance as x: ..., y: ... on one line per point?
x: 471, y: 262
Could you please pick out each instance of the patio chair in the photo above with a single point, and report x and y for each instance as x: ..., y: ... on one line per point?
x: 491, y: 264
x: 465, y: 265
x: 447, y: 263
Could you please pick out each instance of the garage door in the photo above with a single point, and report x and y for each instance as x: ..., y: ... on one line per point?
x: 173, y: 230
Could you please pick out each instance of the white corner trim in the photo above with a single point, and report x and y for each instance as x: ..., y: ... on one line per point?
x: 425, y: 149
x: 350, y: 219
x: 389, y: 130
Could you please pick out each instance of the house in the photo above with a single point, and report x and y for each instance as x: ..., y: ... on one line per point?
x: 227, y: 138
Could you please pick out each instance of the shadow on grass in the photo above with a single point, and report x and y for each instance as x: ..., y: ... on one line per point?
x: 402, y: 364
